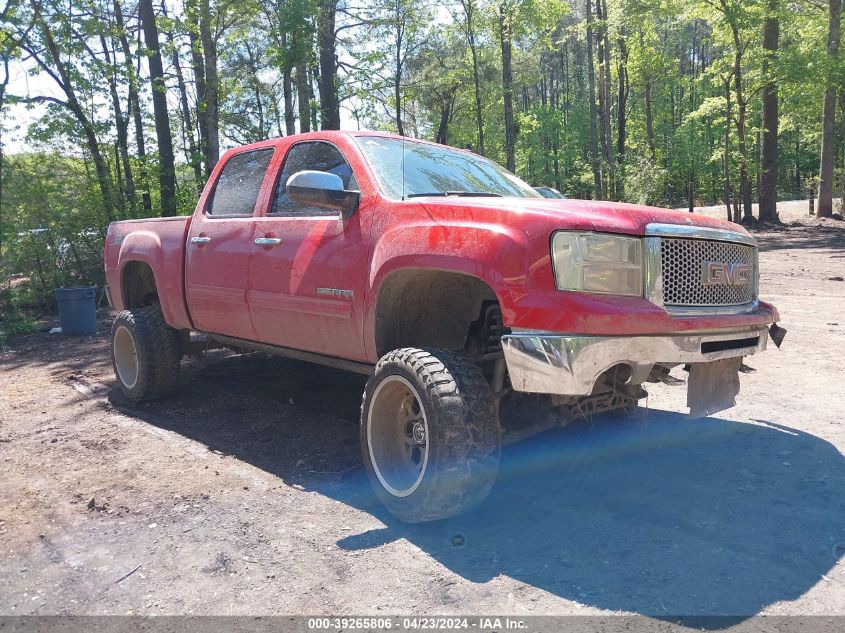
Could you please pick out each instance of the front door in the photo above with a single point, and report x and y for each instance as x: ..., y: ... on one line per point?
x: 308, y: 268
x: 219, y: 244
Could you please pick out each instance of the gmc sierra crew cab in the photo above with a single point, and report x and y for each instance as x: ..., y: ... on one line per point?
x: 464, y: 295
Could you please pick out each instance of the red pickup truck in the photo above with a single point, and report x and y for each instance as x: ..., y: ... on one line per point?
x: 458, y: 289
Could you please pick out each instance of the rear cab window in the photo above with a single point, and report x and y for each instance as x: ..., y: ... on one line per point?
x: 239, y: 184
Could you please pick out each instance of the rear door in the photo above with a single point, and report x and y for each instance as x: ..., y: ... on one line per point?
x: 308, y: 268
x: 219, y: 245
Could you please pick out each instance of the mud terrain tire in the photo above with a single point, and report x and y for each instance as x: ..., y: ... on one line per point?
x: 453, y: 430
x: 145, y: 353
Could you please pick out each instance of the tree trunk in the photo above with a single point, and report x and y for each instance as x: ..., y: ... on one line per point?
x: 329, y: 99
x: 198, y: 68
x: 691, y: 195
x: 842, y: 190
x: 567, y: 84
x: 741, y: 109
x: 758, y: 151
x: 769, y: 161
x: 303, y: 98
x: 135, y: 108
x: 798, y: 160
x: 479, y: 122
x: 121, y: 124
x: 397, y: 75
x: 314, y: 78
x: 621, y: 116
x: 825, y: 206
x: 287, y: 95
x: 649, y: 114
x: 447, y: 103
x: 277, y: 113
x: 287, y: 92
x: 3, y: 86
x: 507, y: 83
x: 187, y: 123
x: 556, y: 163
x: 603, y: 107
x: 726, y: 160
x: 591, y: 74
x: 604, y: 99
x: 167, y: 171
x: 469, y: 12
x: 209, y: 52
x: 259, y: 104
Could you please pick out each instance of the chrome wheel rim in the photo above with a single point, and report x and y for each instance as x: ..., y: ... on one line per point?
x: 397, y: 436
x: 125, y: 356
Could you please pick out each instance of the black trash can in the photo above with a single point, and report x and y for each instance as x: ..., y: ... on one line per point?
x: 77, y: 309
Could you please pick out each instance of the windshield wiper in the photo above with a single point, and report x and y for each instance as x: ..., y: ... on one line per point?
x: 463, y: 194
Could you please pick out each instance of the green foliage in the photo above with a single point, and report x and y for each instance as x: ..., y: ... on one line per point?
x: 646, y: 182
x: 399, y: 62
x: 52, y: 227
x: 18, y: 310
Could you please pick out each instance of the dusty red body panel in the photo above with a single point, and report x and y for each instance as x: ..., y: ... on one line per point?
x: 271, y: 295
x: 159, y: 243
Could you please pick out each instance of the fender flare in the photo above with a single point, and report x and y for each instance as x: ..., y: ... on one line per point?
x: 145, y: 247
x: 393, y: 254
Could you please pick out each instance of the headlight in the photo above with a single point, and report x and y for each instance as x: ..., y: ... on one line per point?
x: 598, y: 262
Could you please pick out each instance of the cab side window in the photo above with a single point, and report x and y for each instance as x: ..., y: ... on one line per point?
x: 236, y: 191
x: 318, y: 156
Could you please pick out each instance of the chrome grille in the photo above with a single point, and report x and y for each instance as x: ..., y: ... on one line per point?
x: 682, y: 261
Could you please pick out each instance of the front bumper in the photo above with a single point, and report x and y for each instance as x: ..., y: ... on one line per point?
x: 552, y: 363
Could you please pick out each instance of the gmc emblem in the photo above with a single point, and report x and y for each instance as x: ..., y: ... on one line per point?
x: 724, y: 274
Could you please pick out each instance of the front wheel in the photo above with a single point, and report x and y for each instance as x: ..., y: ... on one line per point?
x: 430, y: 434
x: 145, y: 353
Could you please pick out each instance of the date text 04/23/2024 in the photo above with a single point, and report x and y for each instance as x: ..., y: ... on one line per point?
x: 424, y: 623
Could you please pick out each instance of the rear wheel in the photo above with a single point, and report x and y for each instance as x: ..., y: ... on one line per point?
x: 145, y: 353
x: 430, y: 435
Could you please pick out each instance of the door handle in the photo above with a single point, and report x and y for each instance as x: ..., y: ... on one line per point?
x: 200, y: 240
x: 268, y: 241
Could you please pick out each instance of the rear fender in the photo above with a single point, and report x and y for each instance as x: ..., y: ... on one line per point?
x: 146, y: 247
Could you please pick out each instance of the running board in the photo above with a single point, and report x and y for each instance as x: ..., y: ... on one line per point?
x: 309, y: 357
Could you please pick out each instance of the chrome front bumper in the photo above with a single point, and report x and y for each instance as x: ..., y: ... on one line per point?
x: 548, y: 362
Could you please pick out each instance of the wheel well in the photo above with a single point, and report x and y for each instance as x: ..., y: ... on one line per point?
x: 429, y: 308
x: 138, y: 285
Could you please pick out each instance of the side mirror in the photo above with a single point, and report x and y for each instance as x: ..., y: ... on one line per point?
x: 322, y: 189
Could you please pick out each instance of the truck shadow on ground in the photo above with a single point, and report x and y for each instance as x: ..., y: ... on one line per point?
x: 664, y: 518
x: 658, y: 514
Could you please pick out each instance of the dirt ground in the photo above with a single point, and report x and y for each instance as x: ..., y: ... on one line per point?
x: 244, y: 492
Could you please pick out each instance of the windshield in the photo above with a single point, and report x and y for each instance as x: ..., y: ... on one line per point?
x: 437, y: 170
x: 548, y: 192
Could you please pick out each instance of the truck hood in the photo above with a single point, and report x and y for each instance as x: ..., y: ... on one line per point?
x: 590, y: 215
